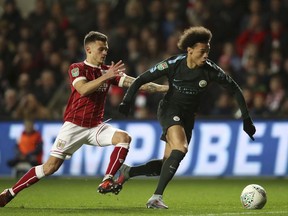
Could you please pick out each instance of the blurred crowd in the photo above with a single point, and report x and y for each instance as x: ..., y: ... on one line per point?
x: 250, y: 42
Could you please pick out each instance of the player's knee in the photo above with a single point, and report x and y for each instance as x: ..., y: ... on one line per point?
x: 124, y: 138
x: 127, y: 138
x: 183, y: 148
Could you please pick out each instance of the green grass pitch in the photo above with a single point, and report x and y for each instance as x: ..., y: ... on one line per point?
x: 184, y: 196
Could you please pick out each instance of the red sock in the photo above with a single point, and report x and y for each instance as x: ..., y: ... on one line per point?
x: 116, y: 159
x: 28, y: 179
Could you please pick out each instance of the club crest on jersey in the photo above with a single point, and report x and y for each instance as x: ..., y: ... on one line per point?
x: 202, y: 83
x: 75, y: 72
x: 60, y: 144
x: 176, y: 118
x: 162, y: 66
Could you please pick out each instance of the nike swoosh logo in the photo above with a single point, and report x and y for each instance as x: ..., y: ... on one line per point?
x: 176, y: 80
x: 172, y: 167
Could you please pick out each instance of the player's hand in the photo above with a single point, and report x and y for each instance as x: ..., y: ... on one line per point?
x: 115, y: 70
x: 124, y: 108
x: 249, y: 127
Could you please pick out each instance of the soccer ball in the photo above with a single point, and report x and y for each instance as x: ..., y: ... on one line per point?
x: 253, y: 196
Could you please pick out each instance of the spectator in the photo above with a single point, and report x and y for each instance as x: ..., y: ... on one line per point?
x: 29, y: 107
x: 29, y: 147
x: 171, y: 47
x: 58, y: 102
x: 83, y: 17
x: 249, y: 59
x: 43, y: 55
x: 46, y: 88
x: 39, y: 17
x: 134, y: 54
x: 103, y: 17
x: 170, y: 24
x: 118, y: 41
x: 55, y: 61
x: 24, y: 85
x: 12, y: 17
x: 254, y: 33
x: 59, y: 15
x: 255, y: 7
x: 134, y: 16
x: 72, y: 51
x: 155, y: 14
x: 224, y: 106
x: 276, y: 10
x: 9, y: 105
x: 152, y: 50
x: 259, y: 108
x: 229, y: 51
x: 198, y: 14
x: 276, y: 38
x: 263, y: 72
x: 276, y: 94
x: 52, y: 32
x: 225, y: 63
x: 248, y: 95
x: 26, y: 35
x: 276, y: 59
x: 226, y: 14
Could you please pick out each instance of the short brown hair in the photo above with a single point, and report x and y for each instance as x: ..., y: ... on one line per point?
x: 93, y: 36
x: 194, y: 35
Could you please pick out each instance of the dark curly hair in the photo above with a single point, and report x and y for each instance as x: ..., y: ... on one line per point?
x: 194, y: 35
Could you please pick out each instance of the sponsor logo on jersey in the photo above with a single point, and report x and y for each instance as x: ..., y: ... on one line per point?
x: 176, y: 118
x: 60, y: 144
x: 202, y: 83
x: 75, y: 72
x: 162, y: 66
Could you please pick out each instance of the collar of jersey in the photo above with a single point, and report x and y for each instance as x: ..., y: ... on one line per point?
x: 91, y: 65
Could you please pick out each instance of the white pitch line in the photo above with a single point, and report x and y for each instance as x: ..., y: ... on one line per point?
x: 253, y: 212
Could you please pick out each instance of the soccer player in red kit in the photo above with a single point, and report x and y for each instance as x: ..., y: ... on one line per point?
x: 83, y: 117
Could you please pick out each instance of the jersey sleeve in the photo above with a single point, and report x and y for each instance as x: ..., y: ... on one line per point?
x: 227, y: 82
x: 76, y: 73
x: 157, y: 71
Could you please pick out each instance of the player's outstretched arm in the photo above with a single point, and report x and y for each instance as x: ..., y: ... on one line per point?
x: 148, y: 87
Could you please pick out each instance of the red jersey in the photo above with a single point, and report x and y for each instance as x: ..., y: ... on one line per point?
x: 87, y: 111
